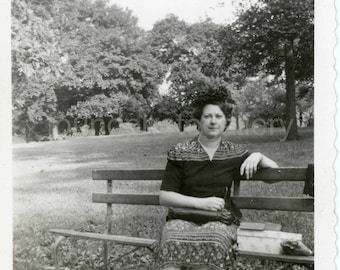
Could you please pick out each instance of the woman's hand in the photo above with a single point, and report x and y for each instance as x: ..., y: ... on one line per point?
x: 249, y: 166
x: 211, y: 203
x: 255, y: 160
x: 174, y: 199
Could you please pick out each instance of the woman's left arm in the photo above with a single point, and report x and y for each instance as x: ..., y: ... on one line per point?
x: 255, y: 160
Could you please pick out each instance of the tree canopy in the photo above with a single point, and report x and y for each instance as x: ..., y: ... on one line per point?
x: 65, y: 53
x: 36, y: 66
x: 261, y: 100
x: 277, y: 37
x: 193, y: 56
x: 89, y: 59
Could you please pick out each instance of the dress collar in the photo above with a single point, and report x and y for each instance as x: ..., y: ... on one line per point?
x: 192, y: 150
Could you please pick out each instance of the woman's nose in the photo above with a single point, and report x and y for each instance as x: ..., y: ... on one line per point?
x: 213, y: 120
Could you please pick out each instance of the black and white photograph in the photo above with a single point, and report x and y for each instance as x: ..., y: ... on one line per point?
x: 170, y: 135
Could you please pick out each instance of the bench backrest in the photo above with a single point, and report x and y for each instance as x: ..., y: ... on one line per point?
x: 302, y: 203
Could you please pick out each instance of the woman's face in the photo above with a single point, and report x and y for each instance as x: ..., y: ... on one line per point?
x: 213, y: 121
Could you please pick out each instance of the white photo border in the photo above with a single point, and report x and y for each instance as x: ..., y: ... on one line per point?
x: 325, y: 136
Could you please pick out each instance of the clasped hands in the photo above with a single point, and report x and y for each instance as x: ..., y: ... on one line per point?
x: 211, y: 203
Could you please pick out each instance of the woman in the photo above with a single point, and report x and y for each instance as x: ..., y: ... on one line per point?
x: 199, y: 175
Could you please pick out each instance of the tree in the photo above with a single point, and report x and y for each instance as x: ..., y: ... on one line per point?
x: 96, y: 41
x: 166, y: 108
x: 36, y: 66
x: 107, y: 54
x: 167, y: 38
x: 100, y: 109
x: 66, y: 52
x: 261, y: 100
x: 192, y: 53
x: 305, y: 102
x: 277, y: 37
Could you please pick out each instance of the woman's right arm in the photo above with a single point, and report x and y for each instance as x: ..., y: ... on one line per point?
x: 174, y: 199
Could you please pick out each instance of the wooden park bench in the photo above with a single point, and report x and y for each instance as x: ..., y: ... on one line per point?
x: 302, y: 203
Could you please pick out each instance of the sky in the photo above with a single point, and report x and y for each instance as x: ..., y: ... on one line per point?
x: 191, y: 11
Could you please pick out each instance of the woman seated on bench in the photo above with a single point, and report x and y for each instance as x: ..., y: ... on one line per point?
x: 199, y: 175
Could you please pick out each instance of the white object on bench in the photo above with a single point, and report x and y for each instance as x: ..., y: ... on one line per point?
x: 265, y: 241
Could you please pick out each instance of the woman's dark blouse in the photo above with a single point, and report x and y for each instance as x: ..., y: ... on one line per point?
x: 189, y: 170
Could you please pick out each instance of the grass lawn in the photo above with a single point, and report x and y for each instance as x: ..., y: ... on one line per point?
x: 52, y: 188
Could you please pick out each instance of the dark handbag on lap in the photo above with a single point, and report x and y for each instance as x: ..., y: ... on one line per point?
x: 202, y: 216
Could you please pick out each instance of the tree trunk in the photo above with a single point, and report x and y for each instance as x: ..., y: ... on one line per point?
x: 291, y: 123
x: 106, y: 125
x: 54, y: 132
x: 96, y: 128
x: 142, y: 124
x: 182, y: 125
x: 27, y: 133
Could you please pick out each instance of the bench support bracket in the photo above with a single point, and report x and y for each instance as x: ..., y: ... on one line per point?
x: 55, y: 254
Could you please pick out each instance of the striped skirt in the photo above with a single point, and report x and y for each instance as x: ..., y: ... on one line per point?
x: 187, y: 244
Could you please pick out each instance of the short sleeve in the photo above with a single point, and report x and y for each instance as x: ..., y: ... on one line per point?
x: 173, y: 176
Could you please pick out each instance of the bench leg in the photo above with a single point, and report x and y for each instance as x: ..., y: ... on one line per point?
x: 55, y: 247
x: 233, y: 265
x: 310, y: 267
x: 264, y: 262
x: 106, y: 256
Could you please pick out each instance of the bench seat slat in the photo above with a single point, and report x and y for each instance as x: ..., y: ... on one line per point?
x: 283, y: 258
x: 267, y: 175
x: 260, y: 203
x: 144, y: 242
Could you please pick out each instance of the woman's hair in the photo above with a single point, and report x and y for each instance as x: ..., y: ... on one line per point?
x: 225, y: 108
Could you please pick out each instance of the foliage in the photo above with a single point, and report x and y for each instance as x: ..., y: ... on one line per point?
x: 206, y: 50
x: 99, y: 106
x: 167, y: 38
x: 166, y: 108
x: 189, y: 87
x: 259, y: 37
x: 69, y: 52
x: 192, y: 53
x: 276, y: 37
x: 174, y: 41
x: 305, y: 102
x: 260, y: 99
x: 35, y: 67
x: 107, y: 54
x: 77, y: 58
